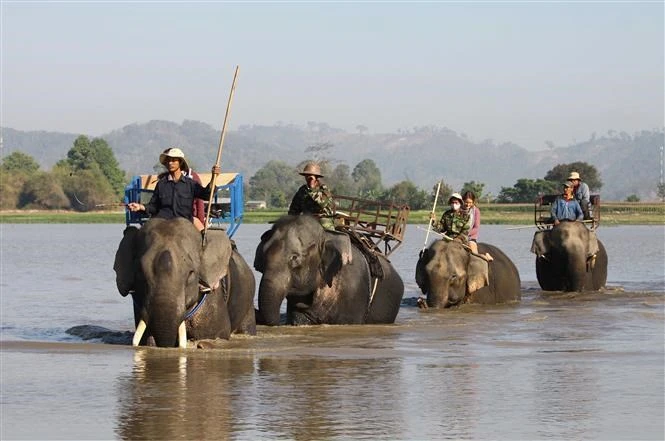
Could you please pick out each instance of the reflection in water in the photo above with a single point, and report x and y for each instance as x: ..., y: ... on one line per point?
x: 211, y: 396
x: 565, y: 397
x: 174, y: 396
x: 326, y: 397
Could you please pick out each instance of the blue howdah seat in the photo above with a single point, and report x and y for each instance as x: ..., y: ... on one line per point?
x: 227, y: 208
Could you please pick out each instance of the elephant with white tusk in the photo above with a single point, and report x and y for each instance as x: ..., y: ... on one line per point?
x: 163, y: 265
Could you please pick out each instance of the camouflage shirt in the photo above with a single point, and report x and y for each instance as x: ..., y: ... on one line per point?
x: 317, y: 201
x: 454, y: 224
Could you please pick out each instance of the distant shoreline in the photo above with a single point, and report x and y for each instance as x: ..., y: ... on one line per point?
x: 497, y: 214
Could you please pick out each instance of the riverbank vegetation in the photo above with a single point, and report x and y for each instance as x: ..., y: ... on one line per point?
x: 624, y: 213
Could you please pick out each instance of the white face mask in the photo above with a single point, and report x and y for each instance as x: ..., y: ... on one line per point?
x: 455, y: 206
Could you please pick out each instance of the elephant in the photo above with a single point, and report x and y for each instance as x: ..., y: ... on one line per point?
x: 449, y: 274
x: 325, y: 278
x: 162, y: 265
x: 569, y: 257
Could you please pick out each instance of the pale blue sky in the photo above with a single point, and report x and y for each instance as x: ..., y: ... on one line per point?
x: 524, y: 72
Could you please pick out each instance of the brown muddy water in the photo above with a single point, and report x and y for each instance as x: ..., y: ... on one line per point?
x: 555, y: 366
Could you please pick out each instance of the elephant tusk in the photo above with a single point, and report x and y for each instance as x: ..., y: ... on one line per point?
x: 140, y: 329
x: 182, y: 336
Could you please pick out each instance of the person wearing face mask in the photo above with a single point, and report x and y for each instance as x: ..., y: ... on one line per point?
x: 455, y: 223
x: 314, y: 198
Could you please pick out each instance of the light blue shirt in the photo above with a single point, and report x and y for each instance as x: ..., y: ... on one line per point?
x: 566, y: 210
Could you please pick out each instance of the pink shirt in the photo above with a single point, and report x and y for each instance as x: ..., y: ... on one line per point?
x: 475, y: 223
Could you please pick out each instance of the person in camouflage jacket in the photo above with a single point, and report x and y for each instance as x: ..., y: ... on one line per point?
x: 455, y: 222
x: 314, y: 198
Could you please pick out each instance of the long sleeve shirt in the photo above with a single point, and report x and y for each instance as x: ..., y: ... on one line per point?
x: 173, y: 198
x: 317, y: 200
x: 582, y: 194
x: 475, y: 223
x: 563, y: 209
x: 454, y: 224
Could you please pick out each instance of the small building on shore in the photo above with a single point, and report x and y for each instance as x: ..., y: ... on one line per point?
x: 256, y: 205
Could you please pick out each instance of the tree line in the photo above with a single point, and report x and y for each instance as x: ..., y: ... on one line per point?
x: 89, y: 177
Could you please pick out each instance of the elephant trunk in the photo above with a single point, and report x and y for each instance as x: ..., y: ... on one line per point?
x: 270, y: 300
x: 165, y: 321
x: 437, y: 299
x: 577, y: 272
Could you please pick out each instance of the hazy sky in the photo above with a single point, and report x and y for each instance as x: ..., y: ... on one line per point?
x: 524, y: 72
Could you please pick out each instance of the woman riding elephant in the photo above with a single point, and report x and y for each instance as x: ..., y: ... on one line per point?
x: 569, y: 257
x: 162, y: 265
x: 325, y: 279
x: 449, y: 274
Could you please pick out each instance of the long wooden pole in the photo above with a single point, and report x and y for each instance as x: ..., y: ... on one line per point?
x: 219, y: 151
x: 429, y: 223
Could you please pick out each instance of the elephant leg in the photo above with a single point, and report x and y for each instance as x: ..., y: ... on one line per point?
x: 548, y: 274
x: 599, y: 271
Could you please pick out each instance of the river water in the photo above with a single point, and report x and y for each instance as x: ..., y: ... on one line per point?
x: 556, y: 366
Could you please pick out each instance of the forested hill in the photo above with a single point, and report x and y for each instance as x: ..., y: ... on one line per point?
x: 628, y: 164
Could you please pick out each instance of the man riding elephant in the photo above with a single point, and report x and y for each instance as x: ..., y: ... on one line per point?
x: 314, y: 198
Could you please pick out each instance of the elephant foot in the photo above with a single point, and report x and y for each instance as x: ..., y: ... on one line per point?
x: 422, y: 303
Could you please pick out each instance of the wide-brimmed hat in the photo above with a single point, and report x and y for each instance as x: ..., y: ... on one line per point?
x: 173, y: 152
x: 574, y: 175
x: 312, y: 169
x: 455, y: 196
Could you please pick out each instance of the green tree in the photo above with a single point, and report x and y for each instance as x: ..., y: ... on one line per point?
x: 11, y: 186
x: 476, y: 187
x: 41, y: 191
x: 367, y: 177
x: 96, y: 156
x: 276, y: 183
x: 527, y: 190
x: 633, y: 198
x: 108, y: 164
x: 19, y: 162
x: 587, y: 172
x: 406, y: 192
x: 85, y: 189
x: 340, y: 181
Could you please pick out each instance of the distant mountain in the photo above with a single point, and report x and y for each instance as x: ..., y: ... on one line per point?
x: 627, y: 164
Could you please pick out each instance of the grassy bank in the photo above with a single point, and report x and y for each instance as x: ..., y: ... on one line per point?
x: 500, y: 214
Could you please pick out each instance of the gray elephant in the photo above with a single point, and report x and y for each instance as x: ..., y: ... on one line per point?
x: 448, y: 274
x: 569, y: 257
x: 324, y: 277
x: 162, y: 264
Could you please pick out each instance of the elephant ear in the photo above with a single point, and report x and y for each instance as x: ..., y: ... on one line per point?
x: 477, y: 273
x: 342, y: 242
x: 540, y: 244
x: 421, y: 274
x: 215, y: 256
x: 126, y: 261
x: 592, y: 245
x: 331, y: 261
x: 259, y: 255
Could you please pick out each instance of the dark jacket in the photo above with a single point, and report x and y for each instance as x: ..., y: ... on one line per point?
x: 173, y: 199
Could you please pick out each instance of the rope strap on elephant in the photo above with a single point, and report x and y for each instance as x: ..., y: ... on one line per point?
x: 375, y: 268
